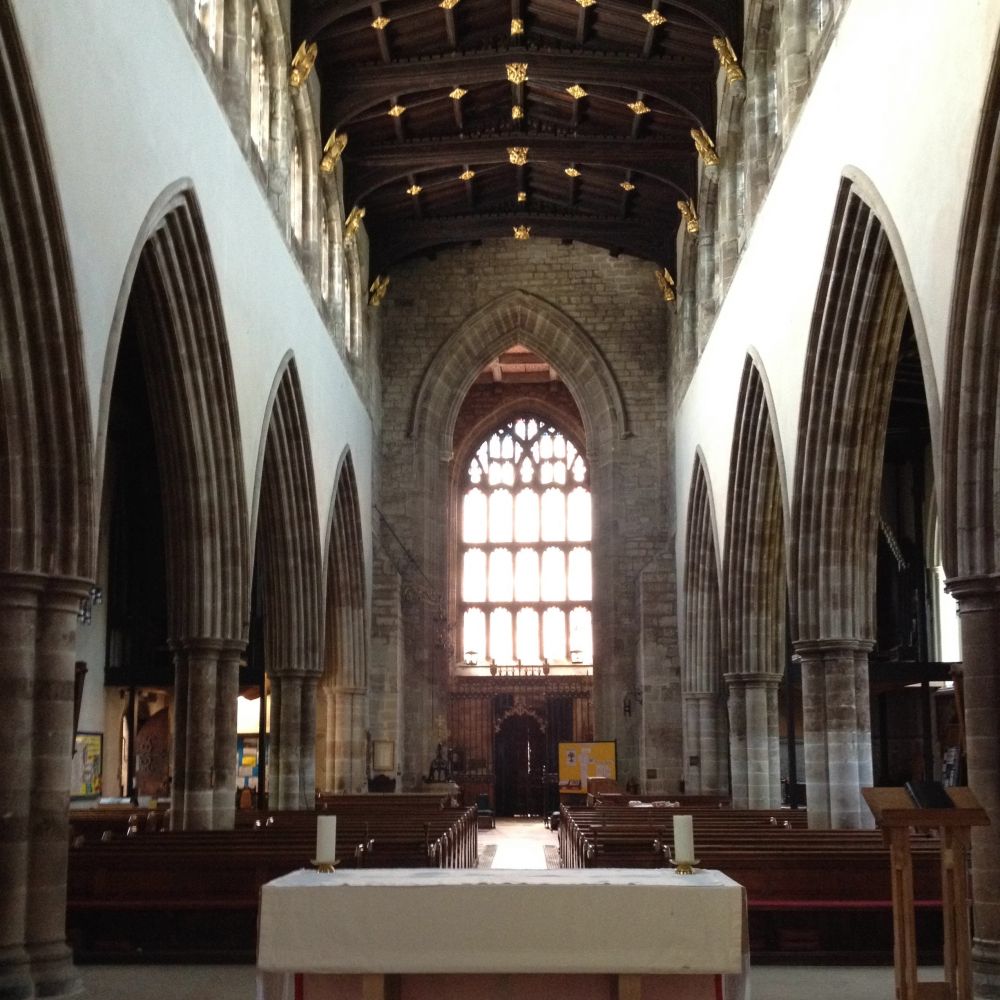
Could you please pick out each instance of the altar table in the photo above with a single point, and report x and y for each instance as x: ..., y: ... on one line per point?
x: 422, y: 933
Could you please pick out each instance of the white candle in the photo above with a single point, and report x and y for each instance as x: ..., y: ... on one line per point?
x: 326, y: 838
x: 683, y: 839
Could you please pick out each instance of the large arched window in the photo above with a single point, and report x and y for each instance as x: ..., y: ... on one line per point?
x: 525, y: 549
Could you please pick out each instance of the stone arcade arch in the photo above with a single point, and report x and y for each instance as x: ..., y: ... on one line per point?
x: 514, y: 318
x: 858, y: 320
x: 170, y: 287
x: 343, y: 695
x: 47, y: 538
x: 971, y: 515
x: 288, y: 561
x: 705, y: 748
x: 754, y: 587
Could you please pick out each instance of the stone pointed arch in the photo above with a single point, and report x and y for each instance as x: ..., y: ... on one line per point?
x: 344, y: 692
x: 47, y: 536
x: 861, y: 308
x: 171, y: 286
x: 701, y: 675
x: 290, y: 574
x: 971, y: 509
x: 170, y: 302
x: 754, y: 575
x: 520, y: 317
x: 47, y: 522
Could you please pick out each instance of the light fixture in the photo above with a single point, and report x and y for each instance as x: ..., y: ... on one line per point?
x: 381, y: 23
x: 458, y: 93
x: 576, y: 91
x: 85, y: 613
x: 413, y: 190
x: 654, y: 18
x: 522, y: 196
x: 466, y: 175
x: 571, y: 172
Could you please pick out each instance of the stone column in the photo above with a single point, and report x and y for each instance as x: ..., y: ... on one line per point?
x: 705, y: 740
x: 226, y: 693
x: 286, y: 759
x: 52, y: 754
x: 349, y: 746
x: 793, y: 63
x: 738, y: 763
x: 307, y: 744
x: 178, y: 763
x: 19, y: 597
x: 979, y: 613
x: 836, y: 731
x: 202, y: 658
x: 763, y: 767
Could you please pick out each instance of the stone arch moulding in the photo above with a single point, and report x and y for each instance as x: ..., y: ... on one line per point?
x: 866, y: 289
x: 288, y: 530
x: 701, y: 561
x: 346, y: 571
x: 519, y: 317
x: 194, y: 403
x: 47, y: 504
x: 970, y: 519
x: 865, y: 188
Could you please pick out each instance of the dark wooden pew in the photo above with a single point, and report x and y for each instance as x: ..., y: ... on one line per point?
x: 812, y: 895
x: 193, y: 895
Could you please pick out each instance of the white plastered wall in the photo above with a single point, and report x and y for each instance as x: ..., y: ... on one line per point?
x: 127, y: 113
x: 896, y: 106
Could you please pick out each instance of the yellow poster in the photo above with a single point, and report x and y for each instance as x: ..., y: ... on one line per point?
x: 579, y: 762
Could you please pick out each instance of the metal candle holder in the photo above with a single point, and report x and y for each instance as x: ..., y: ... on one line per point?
x: 685, y: 867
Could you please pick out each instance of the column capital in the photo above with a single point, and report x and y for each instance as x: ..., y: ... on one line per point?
x: 975, y: 592
x: 820, y: 648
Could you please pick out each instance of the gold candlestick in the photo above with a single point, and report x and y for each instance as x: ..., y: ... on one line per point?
x: 325, y: 866
x: 685, y: 867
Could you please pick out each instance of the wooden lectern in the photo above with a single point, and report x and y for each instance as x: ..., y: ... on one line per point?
x: 896, y: 814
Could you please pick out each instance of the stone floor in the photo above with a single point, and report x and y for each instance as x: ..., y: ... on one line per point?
x: 519, y: 844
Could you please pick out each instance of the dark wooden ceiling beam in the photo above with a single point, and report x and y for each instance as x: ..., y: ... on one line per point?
x: 718, y: 16
x: 449, y: 27
x: 650, y: 40
x: 403, y: 238
x: 682, y: 89
x: 383, y: 38
x: 374, y: 167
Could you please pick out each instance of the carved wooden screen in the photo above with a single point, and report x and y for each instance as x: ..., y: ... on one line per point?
x: 525, y: 549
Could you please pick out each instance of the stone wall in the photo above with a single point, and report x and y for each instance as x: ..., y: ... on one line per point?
x: 570, y: 301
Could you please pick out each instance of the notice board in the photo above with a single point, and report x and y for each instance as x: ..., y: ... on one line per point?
x: 578, y: 762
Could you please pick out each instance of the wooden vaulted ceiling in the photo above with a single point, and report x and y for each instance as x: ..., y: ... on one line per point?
x: 597, y: 170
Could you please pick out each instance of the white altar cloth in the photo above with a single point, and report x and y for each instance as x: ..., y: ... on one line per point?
x: 427, y: 920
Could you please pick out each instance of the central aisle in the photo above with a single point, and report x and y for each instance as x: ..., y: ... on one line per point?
x: 520, y: 843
